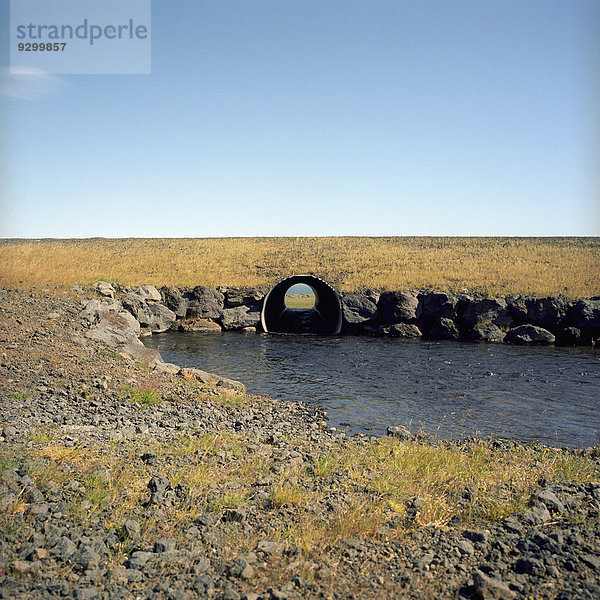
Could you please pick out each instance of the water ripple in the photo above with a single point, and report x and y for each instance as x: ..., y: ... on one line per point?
x: 547, y: 394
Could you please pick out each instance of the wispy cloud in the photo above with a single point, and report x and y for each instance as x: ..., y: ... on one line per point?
x: 27, y: 83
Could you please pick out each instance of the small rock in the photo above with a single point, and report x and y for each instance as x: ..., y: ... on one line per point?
x: 529, y: 566
x: 465, y: 547
x: 424, y: 561
x: 477, y: 536
x: 87, y: 593
x: 138, y: 559
x: 230, y: 593
x: 537, y: 514
x: 21, y: 566
x: 105, y: 289
x: 400, y: 432
x: 129, y: 530
x: 86, y: 558
x: 550, y: 499
x: 268, y: 547
x: 591, y: 560
x: 487, y: 588
x: 164, y: 545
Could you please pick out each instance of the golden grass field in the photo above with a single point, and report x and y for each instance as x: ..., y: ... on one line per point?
x: 494, y: 265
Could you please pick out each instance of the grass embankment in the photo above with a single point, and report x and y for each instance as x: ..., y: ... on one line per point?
x: 381, y: 488
x: 537, y: 266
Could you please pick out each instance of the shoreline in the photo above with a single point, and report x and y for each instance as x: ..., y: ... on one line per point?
x: 120, y: 478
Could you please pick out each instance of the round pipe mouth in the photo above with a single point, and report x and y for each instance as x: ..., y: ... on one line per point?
x: 324, y: 318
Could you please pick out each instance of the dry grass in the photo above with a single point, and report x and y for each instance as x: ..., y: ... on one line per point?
x: 538, y: 266
x: 299, y: 300
x: 380, y: 488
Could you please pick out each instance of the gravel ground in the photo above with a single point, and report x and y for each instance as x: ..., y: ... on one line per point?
x: 117, y: 481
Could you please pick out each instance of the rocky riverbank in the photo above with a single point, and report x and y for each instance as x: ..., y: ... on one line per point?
x: 437, y: 315
x: 126, y: 477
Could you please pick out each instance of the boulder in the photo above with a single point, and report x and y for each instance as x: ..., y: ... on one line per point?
x: 397, y: 307
x: 153, y: 317
x: 517, y: 308
x: 488, y: 310
x: 438, y: 305
x: 114, y: 330
x: 404, y: 330
x: 132, y: 323
x: 105, y: 289
x: 111, y: 324
x: 198, y: 325
x: 205, y: 303
x: 148, y: 292
x: 529, y: 334
x: 537, y: 514
x: 231, y: 384
x: 569, y: 336
x: 586, y: 313
x: 358, y: 308
x: 239, y: 317
x: 173, y: 299
x: 157, y: 318
x: 242, y: 296
x: 489, y: 588
x: 149, y: 357
x: 549, y: 313
x: 163, y: 367
x: 94, y: 308
x: 443, y: 329
x: 190, y: 374
x: 486, y: 333
x: 400, y: 432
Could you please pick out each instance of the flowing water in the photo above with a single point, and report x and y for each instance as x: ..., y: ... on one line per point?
x: 528, y: 393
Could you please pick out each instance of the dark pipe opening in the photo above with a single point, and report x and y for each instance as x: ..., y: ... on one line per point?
x: 324, y: 318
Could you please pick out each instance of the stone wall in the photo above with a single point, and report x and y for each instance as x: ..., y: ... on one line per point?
x: 414, y: 314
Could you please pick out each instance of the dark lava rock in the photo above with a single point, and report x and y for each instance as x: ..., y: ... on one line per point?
x: 586, y: 313
x: 205, y: 303
x: 395, y: 307
x: 399, y: 330
x: 358, y: 308
x: 529, y: 334
x: 239, y: 318
x: 537, y: 514
x: 477, y: 536
x: 439, y: 305
x: 164, y: 545
x: 243, y: 296
x: 86, y: 558
x: 569, y: 336
x: 173, y: 299
x: 488, y: 588
x: 138, y: 559
x: 488, y: 310
x: 129, y: 530
x: 549, y: 313
x: 161, y: 491
x: 486, y: 333
x: 550, y: 499
x: 443, y: 329
x: 86, y: 593
x: 400, y: 432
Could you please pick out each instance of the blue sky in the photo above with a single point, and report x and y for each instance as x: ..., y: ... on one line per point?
x: 302, y: 117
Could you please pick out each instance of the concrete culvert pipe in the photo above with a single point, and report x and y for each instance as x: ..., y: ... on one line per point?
x: 324, y: 318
